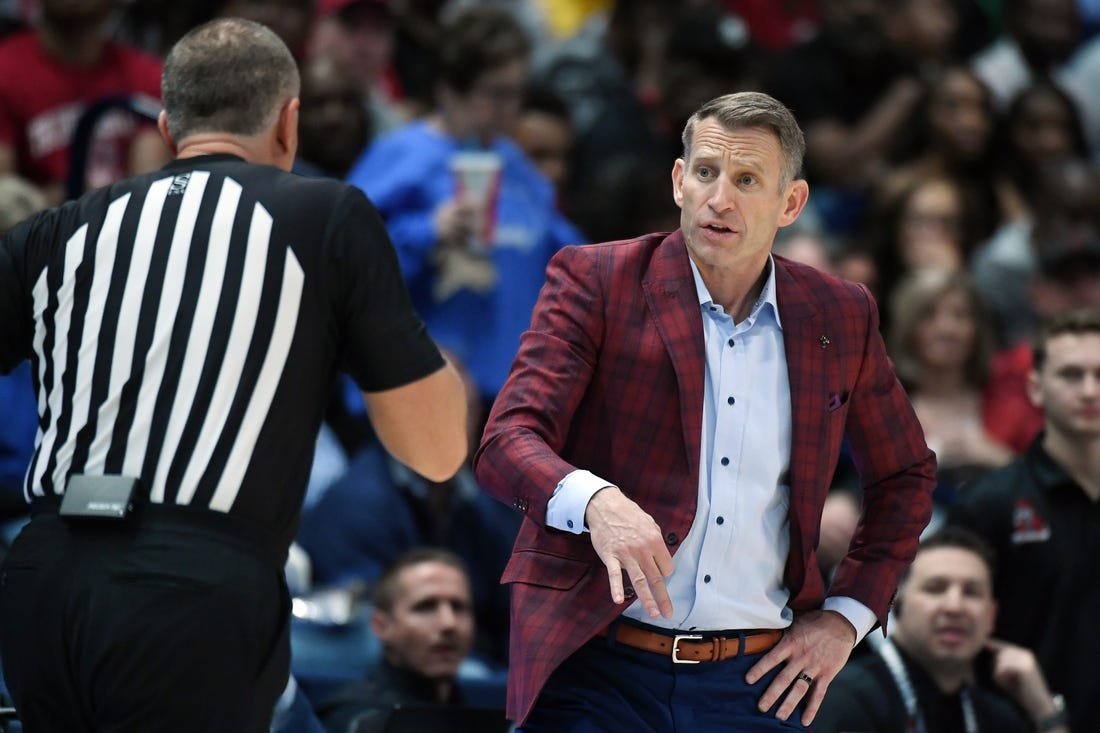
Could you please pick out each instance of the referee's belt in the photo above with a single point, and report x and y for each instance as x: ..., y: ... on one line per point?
x: 264, y: 544
x: 692, y: 648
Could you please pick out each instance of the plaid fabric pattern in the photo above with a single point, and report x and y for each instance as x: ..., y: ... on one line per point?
x: 610, y: 378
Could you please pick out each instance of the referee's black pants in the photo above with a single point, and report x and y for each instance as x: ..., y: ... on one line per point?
x: 162, y: 626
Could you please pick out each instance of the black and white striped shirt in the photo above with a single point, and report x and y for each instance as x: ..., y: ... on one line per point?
x: 185, y: 327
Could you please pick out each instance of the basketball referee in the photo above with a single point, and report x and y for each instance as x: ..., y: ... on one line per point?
x: 184, y: 328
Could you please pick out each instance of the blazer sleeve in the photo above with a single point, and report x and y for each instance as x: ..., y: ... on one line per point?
x: 519, y: 460
x: 897, y: 471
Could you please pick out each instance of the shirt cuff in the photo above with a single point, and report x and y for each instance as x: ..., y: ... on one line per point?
x: 859, y: 616
x: 570, y: 500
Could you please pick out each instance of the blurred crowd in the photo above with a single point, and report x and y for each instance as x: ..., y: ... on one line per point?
x: 953, y: 156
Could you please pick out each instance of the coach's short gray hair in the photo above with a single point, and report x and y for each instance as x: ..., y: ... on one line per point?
x: 754, y: 109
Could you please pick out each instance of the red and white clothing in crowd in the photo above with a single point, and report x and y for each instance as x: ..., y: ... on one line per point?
x: 41, y: 100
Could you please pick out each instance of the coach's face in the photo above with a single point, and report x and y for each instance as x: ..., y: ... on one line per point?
x: 731, y: 196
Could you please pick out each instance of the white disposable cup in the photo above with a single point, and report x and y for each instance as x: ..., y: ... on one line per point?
x: 477, y: 179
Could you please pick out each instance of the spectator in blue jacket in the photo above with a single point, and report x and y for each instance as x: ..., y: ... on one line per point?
x: 476, y: 298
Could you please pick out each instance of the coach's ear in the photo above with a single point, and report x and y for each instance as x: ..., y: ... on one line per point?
x: 162, y: 125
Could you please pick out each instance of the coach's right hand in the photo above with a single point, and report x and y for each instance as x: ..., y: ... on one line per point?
x: 629, y: 541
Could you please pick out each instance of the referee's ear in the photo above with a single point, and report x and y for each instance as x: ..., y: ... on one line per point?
x: 286, y: 134
x: 162, y: 125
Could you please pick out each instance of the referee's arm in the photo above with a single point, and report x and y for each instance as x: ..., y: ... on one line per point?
x: 423, y: 424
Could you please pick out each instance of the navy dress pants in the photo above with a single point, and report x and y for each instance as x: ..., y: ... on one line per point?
x: 607, y: 687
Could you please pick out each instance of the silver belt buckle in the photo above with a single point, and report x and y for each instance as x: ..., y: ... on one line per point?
x: 676, y: 648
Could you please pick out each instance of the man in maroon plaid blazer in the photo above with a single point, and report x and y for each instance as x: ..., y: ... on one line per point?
x: 689, y: 393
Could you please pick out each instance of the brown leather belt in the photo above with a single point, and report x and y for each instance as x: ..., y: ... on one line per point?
x: 693, y: 648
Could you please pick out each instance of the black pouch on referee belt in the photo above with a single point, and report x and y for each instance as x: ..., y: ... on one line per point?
x: 98, y: 498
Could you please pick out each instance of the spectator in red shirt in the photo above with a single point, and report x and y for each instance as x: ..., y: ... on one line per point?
x: 49, y: 76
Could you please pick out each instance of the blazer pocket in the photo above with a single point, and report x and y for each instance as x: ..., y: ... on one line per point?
x: 535, y: 567
x: 837, y: 400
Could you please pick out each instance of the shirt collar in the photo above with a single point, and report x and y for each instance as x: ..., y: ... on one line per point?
x: 412, y: 684
x: 767, y: 295
x: 1046, y: 471
x: 197, y: 161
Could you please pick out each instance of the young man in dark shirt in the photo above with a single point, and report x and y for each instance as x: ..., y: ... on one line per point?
x: 1041, y: 514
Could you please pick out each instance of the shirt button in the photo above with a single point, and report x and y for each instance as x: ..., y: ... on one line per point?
x: 706, y: 578
x: 628, y: 592
x: 569, y: 523
x: 720, y: 520
x: 730, y: 342
x: 672, y: 538
x: 725, y: 461
x: 730, y: 400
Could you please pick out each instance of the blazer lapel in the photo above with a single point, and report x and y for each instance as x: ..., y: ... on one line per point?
x: 805, y: 342
x: 674, y: 305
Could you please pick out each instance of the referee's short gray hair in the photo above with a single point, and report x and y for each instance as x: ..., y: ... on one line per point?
x: 230, y: 76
